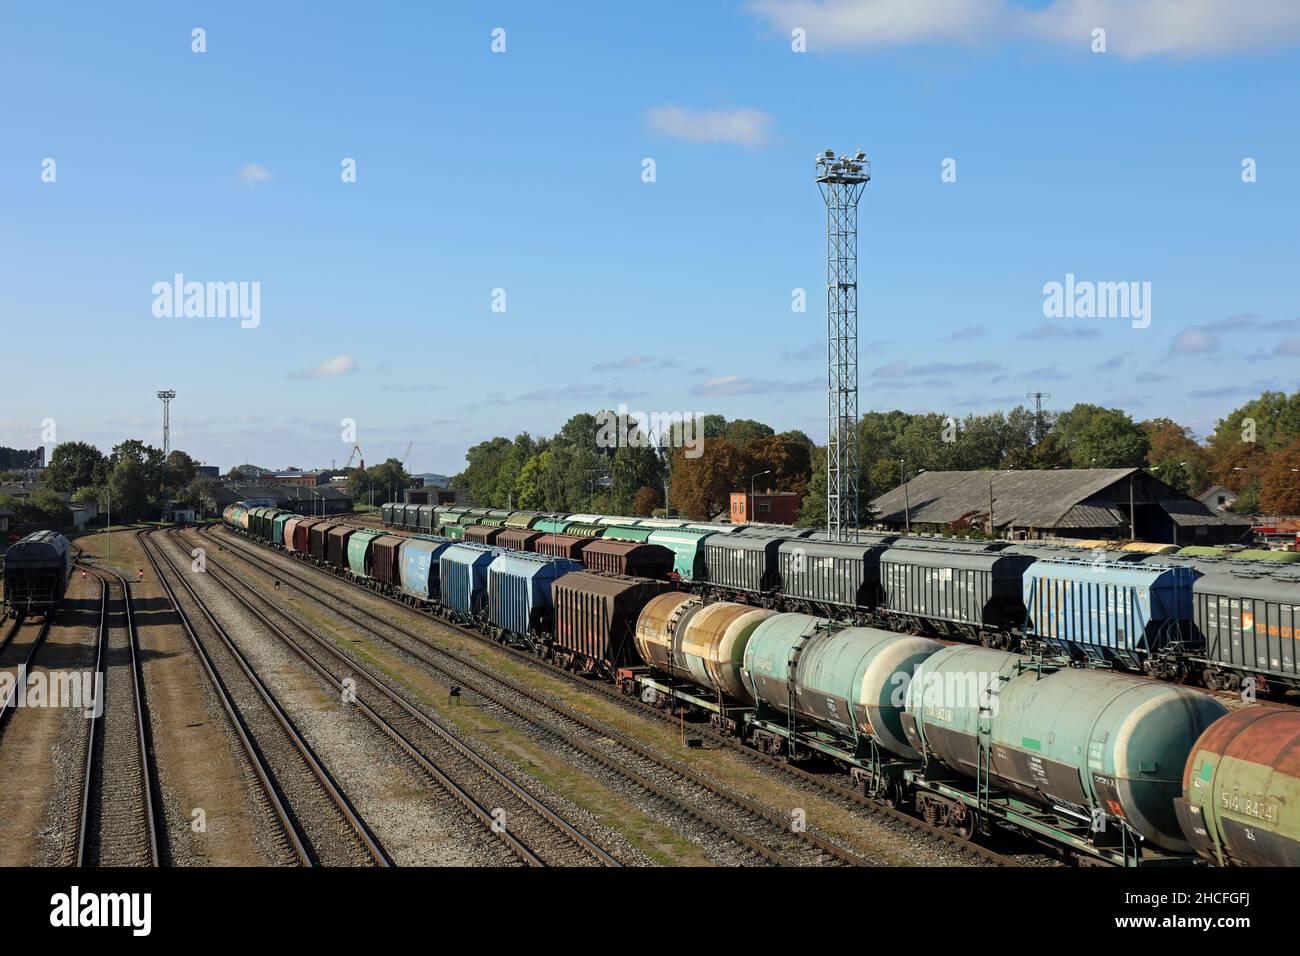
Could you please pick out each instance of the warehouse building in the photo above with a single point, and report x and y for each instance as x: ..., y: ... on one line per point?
x: 1098, y: 503
x: 301, y: 499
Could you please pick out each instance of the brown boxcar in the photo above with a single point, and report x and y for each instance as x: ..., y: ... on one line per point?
x: 628, y: 557
x: 384, y: 565
x: 562, y: 545
x: 518, y: 539
x: 482, y: 534
x: 595, y: 618
x: 316, y: 538
x: 301, y: 534
x: 336, y: 545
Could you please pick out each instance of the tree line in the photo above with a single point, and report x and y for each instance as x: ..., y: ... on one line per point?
x: 1254, y: 451
x: 135, y: 480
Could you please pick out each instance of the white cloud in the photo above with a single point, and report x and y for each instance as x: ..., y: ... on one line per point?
x: 254, y: 175
x: 739, y: 127
x: 330, y: 368
x: 1134, y: 28
x: 746, y: 385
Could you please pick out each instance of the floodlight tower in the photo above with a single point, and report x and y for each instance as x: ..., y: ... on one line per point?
x: 167, y: 395
x: 841, y: 182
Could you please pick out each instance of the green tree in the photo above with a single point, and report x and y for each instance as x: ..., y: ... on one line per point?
x: 742, y: 432
x: 180, y: 469
x: 73, y: 465
x: 632, y: 469
x: 813, y: 512
x: 1099, y: 437
x: 132, y: 489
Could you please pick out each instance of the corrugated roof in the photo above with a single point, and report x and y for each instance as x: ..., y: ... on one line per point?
x: 1190, y: 514
x: 1040, y: 499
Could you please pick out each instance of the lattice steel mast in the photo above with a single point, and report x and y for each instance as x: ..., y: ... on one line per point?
x: 841, y: 182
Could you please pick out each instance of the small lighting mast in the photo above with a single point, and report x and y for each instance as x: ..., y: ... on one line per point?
x: 167, y: 395
x: 842, y: 181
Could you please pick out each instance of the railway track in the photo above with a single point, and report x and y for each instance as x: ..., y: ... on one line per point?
x: 531, y: 830
x: 10, y: 702
x: 317, y: 825
x: 119, y: 822
x: 764, y: 833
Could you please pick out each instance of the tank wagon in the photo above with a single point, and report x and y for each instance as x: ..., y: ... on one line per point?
x: 1083, y: 756
x: 36, y: 573
x: 1240, y: 804
x: 694, y: 645
x: 837, y: 691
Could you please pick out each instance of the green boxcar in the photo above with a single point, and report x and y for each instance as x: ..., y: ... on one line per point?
x: 523, y: 519
x: 688, y: 546
x: 552, y: 525
x: 359, y: 552
x: 454, y: 531
x: 618, y: 532
x: 581, y: 530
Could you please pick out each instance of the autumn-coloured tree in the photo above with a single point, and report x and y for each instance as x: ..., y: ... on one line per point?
x: 646, y: 501
x: 1279, y: 491
x: 702, y: 487
x: 1176, y: 457
x: 789, y: 460
x: 1240, y: 464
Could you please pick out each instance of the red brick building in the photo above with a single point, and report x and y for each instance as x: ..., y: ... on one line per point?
x: 770, y: 507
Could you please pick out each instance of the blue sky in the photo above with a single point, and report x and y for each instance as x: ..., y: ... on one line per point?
x: 522, y: 171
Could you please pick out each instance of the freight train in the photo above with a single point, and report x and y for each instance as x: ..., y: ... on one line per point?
x: 1105, y: 766
x: 36, y: 573
x: 1202, y: 615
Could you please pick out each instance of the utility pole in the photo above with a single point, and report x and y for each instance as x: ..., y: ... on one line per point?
x: 842, y: 182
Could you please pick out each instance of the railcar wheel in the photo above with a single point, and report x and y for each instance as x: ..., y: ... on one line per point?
x: 965, y: 825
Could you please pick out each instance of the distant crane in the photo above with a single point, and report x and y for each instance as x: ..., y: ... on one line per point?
x: 356, y: 451
x: 407, y: 455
